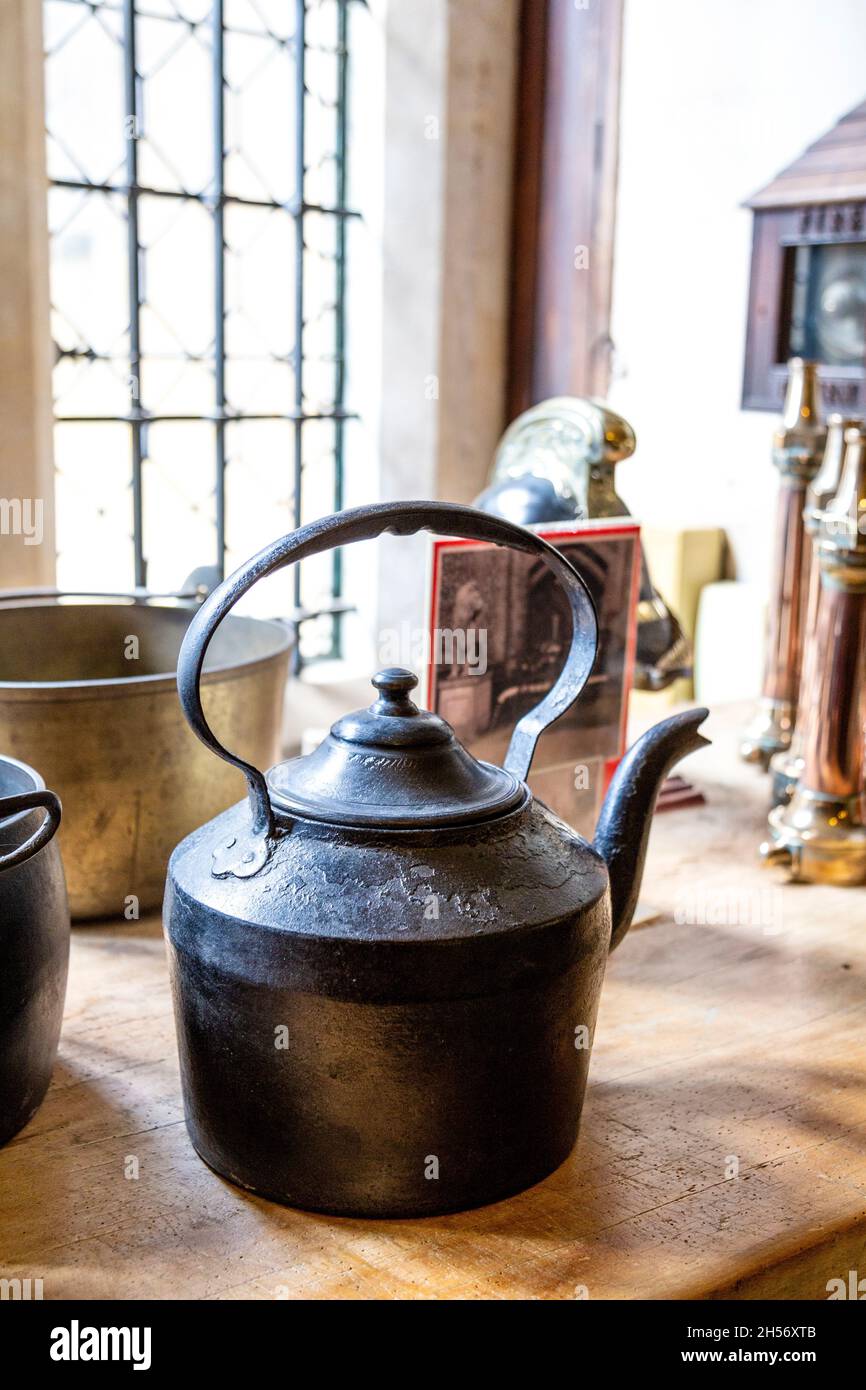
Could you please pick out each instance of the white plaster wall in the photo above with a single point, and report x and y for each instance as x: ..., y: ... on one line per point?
x: 416, y: 85
x: 430, y: 167
x: 449, y: 83
x: 716, y: 98
x: 26, y: 453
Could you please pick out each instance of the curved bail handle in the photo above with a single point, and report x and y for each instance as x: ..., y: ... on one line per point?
x: 364, y: 523
x: 30, y: 801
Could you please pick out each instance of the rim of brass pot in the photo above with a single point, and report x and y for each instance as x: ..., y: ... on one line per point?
x: 109, y: 687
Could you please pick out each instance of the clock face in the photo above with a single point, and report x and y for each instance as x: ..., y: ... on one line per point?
x: 828, y: 304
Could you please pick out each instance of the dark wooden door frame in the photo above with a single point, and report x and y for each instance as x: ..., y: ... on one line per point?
x: 566, y: 153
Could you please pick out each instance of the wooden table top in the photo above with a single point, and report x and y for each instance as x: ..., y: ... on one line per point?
x: 722, y: 1152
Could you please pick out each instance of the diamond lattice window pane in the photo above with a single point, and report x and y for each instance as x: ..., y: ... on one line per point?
x: 320, y: 314
x: 318, y: 465
x: 179, y: 388
x: 86, y: 130
x: 359, y: 455
x: 177, y: 316
x: 93, y: 493
x: 321, y: 74
x: 86, y: 387
x: 259, y: 484
x: 179, y: 501
x: 194, y: 11
x: 89, y: 292
x: 175, y: 149
x: 317, y: 493
x: 177, y: 263
x: 260, y: 292
x: 260, y: 118
x: 259, y: 387
x: 259, y: 505
x: 276, y: 17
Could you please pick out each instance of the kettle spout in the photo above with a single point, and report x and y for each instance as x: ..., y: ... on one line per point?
x: 624, y: 824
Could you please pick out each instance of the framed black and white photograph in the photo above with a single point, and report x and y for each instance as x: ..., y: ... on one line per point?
x: 499, y: 632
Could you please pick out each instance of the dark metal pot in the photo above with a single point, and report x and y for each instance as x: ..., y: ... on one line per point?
x: 34, y: 942
x: 386, y: 967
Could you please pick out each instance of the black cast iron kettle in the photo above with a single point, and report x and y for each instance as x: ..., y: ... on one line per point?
x: 387, y: 964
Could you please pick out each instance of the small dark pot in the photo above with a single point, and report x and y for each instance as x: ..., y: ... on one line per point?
x: 34, y: 942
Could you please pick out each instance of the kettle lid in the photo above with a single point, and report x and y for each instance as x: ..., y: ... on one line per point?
x: 393, y: 766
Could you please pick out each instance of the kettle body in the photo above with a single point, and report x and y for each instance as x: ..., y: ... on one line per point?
x: 386, y: 1026
x: 386, y: 965
x: 34, y: 942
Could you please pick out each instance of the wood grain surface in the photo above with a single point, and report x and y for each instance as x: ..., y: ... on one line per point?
x: 722, y: 1151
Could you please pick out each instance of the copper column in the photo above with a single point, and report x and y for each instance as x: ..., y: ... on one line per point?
x: 787, y: 766
x: 821, y: 833
x: 798, y: 447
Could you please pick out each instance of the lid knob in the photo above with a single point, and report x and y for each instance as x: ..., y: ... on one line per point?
x: 393, y: 765
x: 393, y: 685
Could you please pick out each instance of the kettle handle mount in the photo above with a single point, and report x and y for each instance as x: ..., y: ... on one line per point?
x: 364, y: 523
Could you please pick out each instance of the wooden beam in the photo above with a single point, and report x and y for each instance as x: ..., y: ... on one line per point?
x: 564, y: 199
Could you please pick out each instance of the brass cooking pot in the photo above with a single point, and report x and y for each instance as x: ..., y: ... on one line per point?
x: 88, y: 695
